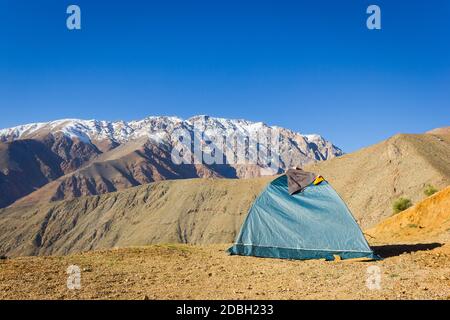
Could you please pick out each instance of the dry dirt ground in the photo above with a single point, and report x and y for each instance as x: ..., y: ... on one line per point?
x: 415, y: 271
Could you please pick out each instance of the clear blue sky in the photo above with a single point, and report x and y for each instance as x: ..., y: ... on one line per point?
x: 311, y: 66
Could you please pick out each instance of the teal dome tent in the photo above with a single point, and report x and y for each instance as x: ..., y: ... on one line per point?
x: 300, y: 216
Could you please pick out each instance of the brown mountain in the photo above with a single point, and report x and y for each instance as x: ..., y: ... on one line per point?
x: 440, y: 131
x: 70, y: 158
x: 26, y: 165
x: 212, y: 210
x: 184, y: 211
x: 131, y: 164
x: 430, y: 218
x: 371, y: 179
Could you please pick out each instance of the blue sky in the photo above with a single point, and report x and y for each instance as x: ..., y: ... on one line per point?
x: 311, y: 66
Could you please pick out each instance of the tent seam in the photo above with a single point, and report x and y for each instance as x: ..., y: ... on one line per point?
x: 252, y: 245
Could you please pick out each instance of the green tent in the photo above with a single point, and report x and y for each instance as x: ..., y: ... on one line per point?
x: 300, y: 216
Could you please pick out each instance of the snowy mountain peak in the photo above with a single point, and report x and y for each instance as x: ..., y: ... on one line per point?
x: 294, y: 145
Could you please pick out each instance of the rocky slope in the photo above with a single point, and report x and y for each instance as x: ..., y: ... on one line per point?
x: 118, y: 170
x: 95, y: 157
x: 371, y: 179
x: 440, y: 131
x: 27, y: 165
x: 165, y: 130
x: 179, y: 211
x: 428, y: 219
x: 204, y: 211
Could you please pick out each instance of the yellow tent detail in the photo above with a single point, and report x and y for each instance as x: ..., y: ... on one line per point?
x: 318, y: 180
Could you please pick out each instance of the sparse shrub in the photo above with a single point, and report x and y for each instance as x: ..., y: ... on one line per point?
x: 401, y: 204
x: 430, y: 190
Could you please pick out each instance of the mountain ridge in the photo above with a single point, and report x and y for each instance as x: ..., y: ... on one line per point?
x: 123, y: 131
x: 403, y: 165
x: 114, y: 155
x: 205, y: 211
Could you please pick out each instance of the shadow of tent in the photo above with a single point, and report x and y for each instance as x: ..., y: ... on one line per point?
x: 392, y: 250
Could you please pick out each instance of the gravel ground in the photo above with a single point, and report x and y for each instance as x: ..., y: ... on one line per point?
x: 207, y: 272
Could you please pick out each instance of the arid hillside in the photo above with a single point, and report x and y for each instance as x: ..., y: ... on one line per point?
x: 129, y: 165
x: 69, y: 158
x: 27, y: 165
x: 440, y: 131
x: 204, y: 215
x: 197, y: 211
x: 371, y: 179
x: 207, y: 211
x: 428, y: 219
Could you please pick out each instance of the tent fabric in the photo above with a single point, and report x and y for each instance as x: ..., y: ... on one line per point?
x: 299, y: 180
x: 318, y: 180
x: 313, y: 224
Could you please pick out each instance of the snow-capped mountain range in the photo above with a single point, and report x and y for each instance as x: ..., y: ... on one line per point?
x: 305, y: 148
x: 69, y: 158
